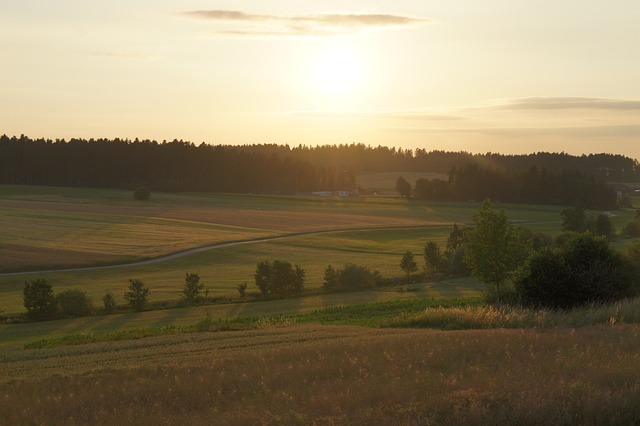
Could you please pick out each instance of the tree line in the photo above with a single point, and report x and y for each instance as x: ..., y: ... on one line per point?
x: 276, y: 169
x: 534, y: 186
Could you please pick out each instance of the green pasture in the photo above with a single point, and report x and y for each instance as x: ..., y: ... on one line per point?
x: 19, y: 334
x: 112, y: 222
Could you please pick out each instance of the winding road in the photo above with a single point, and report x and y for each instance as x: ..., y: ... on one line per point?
x: 206, y: 248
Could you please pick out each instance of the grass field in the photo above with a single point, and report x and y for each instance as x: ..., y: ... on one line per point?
x: 333, y: 375
x: 306, y: 360
x: 55, y: 227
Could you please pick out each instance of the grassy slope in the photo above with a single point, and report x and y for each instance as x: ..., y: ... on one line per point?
x: 313, y: 374
x: 20, y: 334
x: 222, y: 270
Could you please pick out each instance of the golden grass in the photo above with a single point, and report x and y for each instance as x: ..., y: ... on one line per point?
x: 483, y: 317
x: 333, y: 376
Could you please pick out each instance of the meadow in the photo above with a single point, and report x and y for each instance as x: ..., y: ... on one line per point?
x: 97, y: 227
x: 425, y: 353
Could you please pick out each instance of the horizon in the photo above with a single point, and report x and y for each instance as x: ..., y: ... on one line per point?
x: 512, y: 79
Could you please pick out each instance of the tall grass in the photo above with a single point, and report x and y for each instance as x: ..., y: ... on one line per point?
x: 587, y: 376
x: 486, y: 317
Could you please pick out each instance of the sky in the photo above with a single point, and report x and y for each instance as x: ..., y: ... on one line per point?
x: 505, y: 76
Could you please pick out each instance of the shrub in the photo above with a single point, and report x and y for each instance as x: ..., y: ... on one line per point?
x: 408, y: 263
x: 433, y: 259
x: 192, y: 287
x: 586, y: 269
x: 142, y: 193
x: 39, y: 300
x: 242, y: 290
x: 351, y: 277
x: 279, y: 278
x: 137, y: 296
x: 73, y: 303
x: 109, y: 302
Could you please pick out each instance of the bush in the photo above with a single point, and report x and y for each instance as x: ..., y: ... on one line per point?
x: 351, y: 277
x: 192, y: 287
x: 73, y: 303
x: 142, y: 193
x: 586, y: 269
x: 137, y: 296
x: 39, y: 300
x: 109, y: 302
x: 279, y: 278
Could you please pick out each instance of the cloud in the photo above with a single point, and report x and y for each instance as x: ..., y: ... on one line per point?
x: 302, y: 25
x: 585, y: 132
x: 554, y: 103
x: 396, y: 115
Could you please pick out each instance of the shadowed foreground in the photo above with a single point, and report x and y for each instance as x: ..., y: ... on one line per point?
x: 332, y: 375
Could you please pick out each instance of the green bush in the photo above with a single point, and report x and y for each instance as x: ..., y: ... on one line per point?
x: 279, y: 278
x: 73, y: 303
x: 351, y: 277
x: 39, y: 300
x: 137, y: 296
x: 192, y: 288
x: 109, y: 301
x: 585, y: 269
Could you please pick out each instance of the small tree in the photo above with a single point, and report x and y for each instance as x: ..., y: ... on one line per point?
x: 192, y: 288
x: 586, y: 269
x: 575, y: 220
x: 109, y: 302
x: 137, y: 295
x: 403, y: 187
x: 242, y: 289
x: 39, y: 300
x: 355, y: 277
x: 495, y: 249
x: 279, y: 278
x: 408, y: 263
x: 331, y: 278
x: 603, y: 226
x: 433, y: 260
x: 73, y: 303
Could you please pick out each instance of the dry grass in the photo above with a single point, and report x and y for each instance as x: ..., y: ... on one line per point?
x: 305, y: 375
x: 483, y: 317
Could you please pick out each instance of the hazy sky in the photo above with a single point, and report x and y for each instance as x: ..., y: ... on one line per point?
x: 509, y: 76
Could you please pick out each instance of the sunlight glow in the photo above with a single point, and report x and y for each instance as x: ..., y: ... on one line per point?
x: 337, y: 71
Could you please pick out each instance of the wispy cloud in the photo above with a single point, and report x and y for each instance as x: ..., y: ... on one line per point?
x: 418, y: 115
x: 553, y: 103
x: 301, y: 25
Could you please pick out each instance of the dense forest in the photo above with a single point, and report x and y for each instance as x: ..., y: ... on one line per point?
x: 280, y: 169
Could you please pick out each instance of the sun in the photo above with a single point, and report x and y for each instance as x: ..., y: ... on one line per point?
x: 337, y: 71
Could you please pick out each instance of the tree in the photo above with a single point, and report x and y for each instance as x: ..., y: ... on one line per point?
x: 403, y: 187
x: 242, y: 289
x: 192, y: 288
x: 73, y: 303
x: 331, y: 279
x: 408, y: 263
x: 575, y: 220
x: 433, y: 260
x: 585, y: 269
x: 109, y: 302
x: 39, y: 299
x: 137, y: 295
x: 495, y: 249
x: 603, y: 226
x: 279, y: 278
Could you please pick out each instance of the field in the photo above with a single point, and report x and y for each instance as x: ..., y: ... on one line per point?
x: 320, y: 359
x: 54, y: 228
x: 319, y: 374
